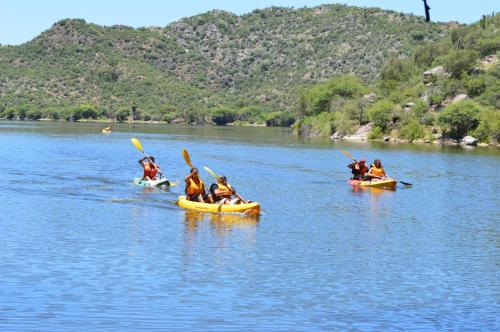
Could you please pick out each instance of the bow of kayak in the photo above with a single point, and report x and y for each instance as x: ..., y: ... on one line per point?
x: 249, y: 208
x: 375, y: 183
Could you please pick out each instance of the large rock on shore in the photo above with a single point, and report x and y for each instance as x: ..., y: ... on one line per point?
x: 469, y: 140
x: 337, y: 135
x: 361, y: 134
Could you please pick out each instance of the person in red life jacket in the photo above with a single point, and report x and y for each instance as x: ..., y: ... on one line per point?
x: 150, y: 168
x: 358, y: 169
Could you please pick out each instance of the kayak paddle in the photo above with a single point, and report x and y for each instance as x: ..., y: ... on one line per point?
x: 217, y: 177
x: 138, y: 145
x: 185, y: 154
x: 347, y: 154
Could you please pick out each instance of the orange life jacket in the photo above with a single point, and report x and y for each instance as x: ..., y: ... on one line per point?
x: 149, y: 171
x: 377, y: 171
x: 223, y: 187
x: 193, y: 188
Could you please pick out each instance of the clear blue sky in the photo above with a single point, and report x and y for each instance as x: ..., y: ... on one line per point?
x: 21, y: 20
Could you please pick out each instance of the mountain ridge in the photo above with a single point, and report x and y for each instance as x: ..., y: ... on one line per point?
x: 216, y: 58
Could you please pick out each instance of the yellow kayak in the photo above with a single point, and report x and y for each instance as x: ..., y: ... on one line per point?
x: 250, y: 208
x: 375, y: 183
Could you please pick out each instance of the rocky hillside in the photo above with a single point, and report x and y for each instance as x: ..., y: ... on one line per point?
x: 263, y: 58
x: 448, y: 92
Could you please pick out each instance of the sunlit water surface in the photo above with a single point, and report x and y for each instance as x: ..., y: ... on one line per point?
x: 81, y: 248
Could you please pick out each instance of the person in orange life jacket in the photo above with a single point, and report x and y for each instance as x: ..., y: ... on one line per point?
x: 358, y: 169
x: 195, y: 188
x: 222, y: 192
x: 376, y: 170
x: 150, y: 169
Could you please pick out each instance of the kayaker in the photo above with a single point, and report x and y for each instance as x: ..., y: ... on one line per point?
x: 376, y: 170
x: 358, y: 169
x: 195, y: 188
x: 222, y: 192
x: 150, y: 168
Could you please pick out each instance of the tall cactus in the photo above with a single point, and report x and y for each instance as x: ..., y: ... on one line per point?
x: 427, y: 14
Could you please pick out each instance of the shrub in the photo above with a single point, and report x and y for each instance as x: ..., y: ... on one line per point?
x: 417, y: 35
x: 9, y: 114
x: 53, y: 114
x: 459, y: 118
x: 280, y: 119
x: 346, y: 86
x: 122, y: 114
x: 428, y: 119
x: 489, y: 44
x: 458, y: 62
x: 83, y: 111
x: 252, y: 114
x: 397, y: 70
x: 475, y: 86
x: 380, y: 114
x: 168, y: 108
x: 425, y: 54
x: 491, y: 94
x: 376, y: 133
x: 317, y: 99
x: 22, y: 111
x: 108, y: 75
x: 170, y: 117
x: 34, y: 115
x: 451, y: 87
x: 436, y: 99
x: 223, y: 115
x: 412, y: 130
x: 489, y: 126
x: 344, y: 124
x: 317, y: 125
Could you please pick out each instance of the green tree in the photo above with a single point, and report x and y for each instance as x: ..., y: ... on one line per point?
x: 425, y: 54
x: 221, y: 115
x: 412, y: 130
x: 280, y: 119
x: 122, y: 114
x: 458, y: 119
x: 458, y: 62
x: 380, y: 114
x: 489, y: 126
x: 475, y: 85
x: 34, y: 114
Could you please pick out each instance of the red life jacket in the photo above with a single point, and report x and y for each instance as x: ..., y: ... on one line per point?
x: 149, y: 171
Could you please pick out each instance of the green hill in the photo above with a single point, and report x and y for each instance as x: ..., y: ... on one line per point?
x: 257, y: 63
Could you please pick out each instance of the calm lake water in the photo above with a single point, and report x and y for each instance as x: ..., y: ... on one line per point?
x: 82, y: 249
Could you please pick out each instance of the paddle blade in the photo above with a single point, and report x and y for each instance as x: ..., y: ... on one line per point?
x: 137, y: 144
x: 210, y: 172
x: 406, y: 183
x: 347, y: 154
x: 185, y: 154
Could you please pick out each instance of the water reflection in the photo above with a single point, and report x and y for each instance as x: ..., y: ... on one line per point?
x: 221, y: 223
